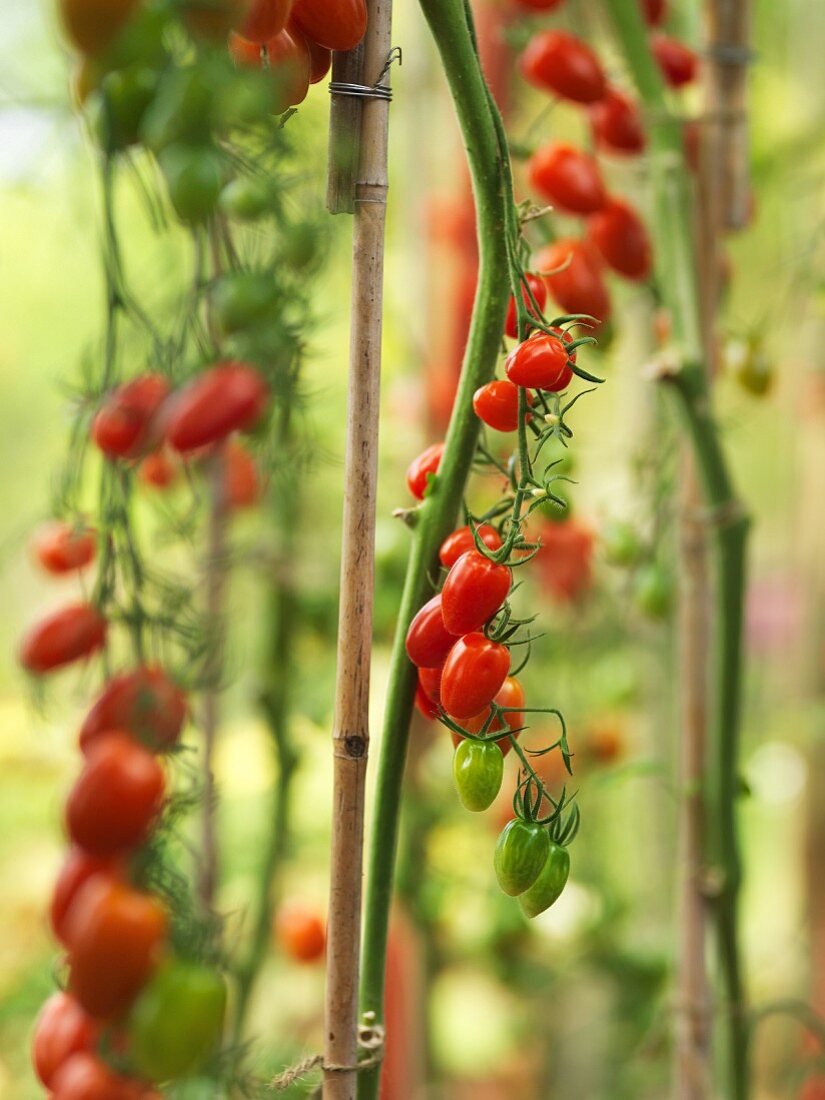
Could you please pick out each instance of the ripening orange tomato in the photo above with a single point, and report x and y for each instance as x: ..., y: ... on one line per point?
x: 301, y: 932
x: 510, y: 695
x: 265, y: 19
x: 335, y: 24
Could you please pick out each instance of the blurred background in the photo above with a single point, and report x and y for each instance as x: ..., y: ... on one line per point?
x: 579, y: 1004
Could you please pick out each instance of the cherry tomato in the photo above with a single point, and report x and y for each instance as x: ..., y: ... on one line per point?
x: 567, y: 178
x: 473, y: 592
x: 497, y: 405
x: 539, y: 291
x: 214, y: 19
x: 115, y: 936
x: 653, y: 591
x: 622, y: 544
x: 541, y: 363
x: 194, y: 176
x: 678, y: 62
x: 654, y: 12
x: 424, y: 704
x: 520, y: 855
x: 290, y: 68
x: 62, y: 1029
x: 146, y: 703
x: 460, y: 541
x: 621, y: 237
x: 428, y: 640
x: 335, y: 24
x: 158, y: 470
x: 549, y: 885
x: 265, y: 19
x: 473, y: 673
x: 123, y: 427
x: 565, y: 560
x: 247, y: 199
x: 429, y: 680
x: 226, y: 398
x: 478, y: 769
x: 320, y: 58
x: 617, y: 123
x: 125, y: 96
x: 77, y: 869
x: 420, y: 469
x: 64, y: 547
x: 177, y: 1020
x: 563, y: 65
x: 242, y: 300
x: 116, y: 798
x: 65, y: 636
x: 240, y: 483
x: 93, y: 25
x: 85, y: 1077
x: 572, y: 271
x: 511, y: 694
x: 300, y: 932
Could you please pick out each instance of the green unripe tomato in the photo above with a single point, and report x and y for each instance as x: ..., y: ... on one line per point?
x: 247, y: 199
x: 194, y: 175
x: 622, y: 545
x: 749, y: 365
x: 478, y: 769
x: 124, y: 97
x: 243, y: 300
x: 300, y: 245
x: 548, y: 886
x: 653, y: 591
x: 182, y: 109
x: 520, y: 854
x: 177, y: 1021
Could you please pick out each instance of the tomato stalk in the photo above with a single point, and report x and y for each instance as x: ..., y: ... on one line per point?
x: 688, y: 384
x: 433, y: 520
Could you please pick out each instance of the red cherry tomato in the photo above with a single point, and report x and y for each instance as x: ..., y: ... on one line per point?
x: 572, y: 271
x: 460, y: 541
x: 301, y: 933
x: 473, y: 674
x: 265, y: 19
x: 125, y: 423
x: 539, y: 291
x: 241, y: 485
x: 158, y: 470
x: 93, y: 25
x: 621, y: 237
x: 115, y: 935
x: 228, y: 397
x: 565, y: 561
x: 654, y: 12
x: 497, y: 405
x: 473, y: 592
x: 510, y: 695
x: 429, y: 680
x: 424, y: 704
x: 64, y: 547
x: 77, y: 869
x: 146, y: 703
x: 116, y: 797
x: 62, y: 1029
x: 428, y: 640
x: 420, y: 468
x: 617, y: 123
x: 65, y: 636
x: 540, y: 363
x: 290, y: 69
x: 678, y: 62
x: 85, y: 1077
x: 320, y: 58
x: 563, y: 65
x: 335, y: 24
x: 567, y: 178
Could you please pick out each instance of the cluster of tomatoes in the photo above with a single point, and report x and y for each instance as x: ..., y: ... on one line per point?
x: 570, y: 179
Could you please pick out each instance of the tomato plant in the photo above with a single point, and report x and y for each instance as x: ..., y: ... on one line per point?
x: 428, y: 639
x: 125, y: 423
x: 65, y: 636
x: 462, y: 540
x: 146, y: 703
x: 541, y: 363
x: 538, y: 290
x: 510, y: 695
x: 573, y: 273
x: 521, y: 853
x: 422, y: 468
x: 549, y: 884
x: 478, y: 768
x: 473, y: 673
x: 563, y: 65
x: 228, y: 397
x: 497, y: 405
x: 568, y: 178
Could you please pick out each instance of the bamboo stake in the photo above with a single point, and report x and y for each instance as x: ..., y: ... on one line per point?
x: 728, y: 57
x: 351, y: 724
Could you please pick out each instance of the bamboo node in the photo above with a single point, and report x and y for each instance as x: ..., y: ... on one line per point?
x: 729, y: 53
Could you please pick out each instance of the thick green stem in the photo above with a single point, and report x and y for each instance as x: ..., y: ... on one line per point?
x: 436, y: 516
x: 689, y: 386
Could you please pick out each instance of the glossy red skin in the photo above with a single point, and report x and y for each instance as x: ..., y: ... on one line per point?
x: 510, y: 695
x: 473, y: 675
x: 229, y: 397
x: 424, y: 704
x: 145, y: 702
x: 565, y: 561
x: 301, y: 933
x: 63, y: 1028
x: 429, y: 680
x: 654, y: 12
x: 539, y: 291
x: 572, y: 271
x: 116, y: 797
x: 65, y: 636
x: 335, y: 24
x: 473, y: 592
x: 240, y: 484
x: 158, y: 471
x: 622, y: 239
x: 85, y: 1077
x: 419, y: 469
x: 125, y: 423
x: 116, y: 937
x: 460, y: 541
x: 678, y: 63
x: 617, y: 124
x: 77, y: 869
x: 496, y: 404
x: 540, y: 363
x: 290, y: 68
x: 568, y: 178
x: 265, y: 19
x: 428, y: 640
x: 563, y: 65
x: 320, y: 58
x: 63, y: 548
